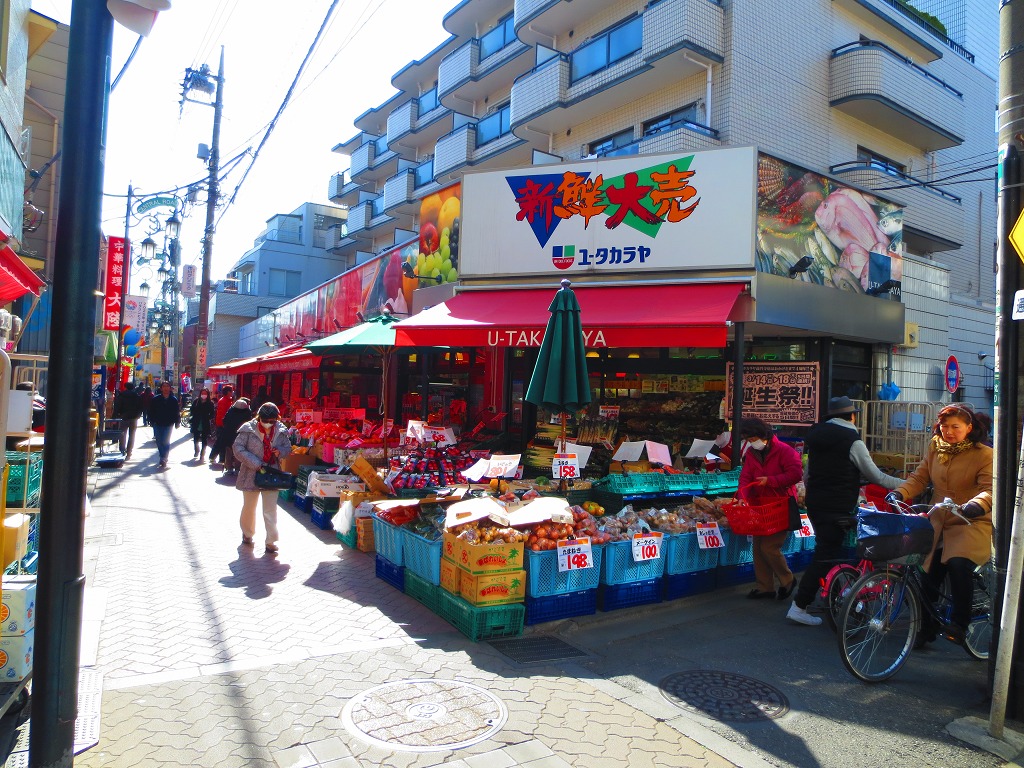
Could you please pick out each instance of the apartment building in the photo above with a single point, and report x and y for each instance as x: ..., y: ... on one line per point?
x: 893, y: 98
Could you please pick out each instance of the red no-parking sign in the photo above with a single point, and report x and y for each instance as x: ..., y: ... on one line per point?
x: 953, y: 375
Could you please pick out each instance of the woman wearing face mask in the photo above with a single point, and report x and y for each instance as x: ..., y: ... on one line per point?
x: 263, y: 440
x: 201, y: 423
x: 770, y: 469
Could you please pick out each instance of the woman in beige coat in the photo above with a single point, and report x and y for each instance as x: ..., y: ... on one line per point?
x: 959, y: 467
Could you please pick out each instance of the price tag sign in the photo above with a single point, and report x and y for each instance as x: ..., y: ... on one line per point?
x: 646, y: 546
x: 574, y: 554
x: 708, y: 536
x: 440, y: 435
x: 806, y: 529
x: 566, y: 466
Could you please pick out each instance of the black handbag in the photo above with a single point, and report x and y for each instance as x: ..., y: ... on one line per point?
x: 270, y: 478
x: 794, y: 515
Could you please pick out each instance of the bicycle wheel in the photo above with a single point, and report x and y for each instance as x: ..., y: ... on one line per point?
x: 837, y: 586
x: 979, y: 632
x: 878, y: 624
x: 186, y: 419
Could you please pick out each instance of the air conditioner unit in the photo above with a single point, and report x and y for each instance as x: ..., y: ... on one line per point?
x: 911, y: 335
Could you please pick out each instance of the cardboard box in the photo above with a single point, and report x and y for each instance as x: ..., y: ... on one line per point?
x: 450, y: 547
x: 368, y: 475
x: 477, y: 559
x: 450, y: 576
x: 18, y: 606
x: 293, y: 461
x: 326, y: 485
x: 364, y: 534
x: 16, y: 657
x: 493, y: 588
x: 15, y: 538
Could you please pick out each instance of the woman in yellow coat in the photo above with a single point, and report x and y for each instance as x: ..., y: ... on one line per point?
x: 959, y: 467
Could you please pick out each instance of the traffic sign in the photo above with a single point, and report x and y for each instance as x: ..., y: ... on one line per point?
x: 952, y: 375
x: 1016, y: 236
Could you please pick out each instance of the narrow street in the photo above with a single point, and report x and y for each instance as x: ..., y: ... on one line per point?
x: 215, y: 654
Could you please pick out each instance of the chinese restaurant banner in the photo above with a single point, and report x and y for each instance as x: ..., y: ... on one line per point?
x: 113, y: 282
x: 779, y: 393
x: 612, y: 216
x: 854, y: 240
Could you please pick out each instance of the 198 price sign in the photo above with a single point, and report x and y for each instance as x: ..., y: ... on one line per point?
x: 646, y: 546
x: 574, y: 554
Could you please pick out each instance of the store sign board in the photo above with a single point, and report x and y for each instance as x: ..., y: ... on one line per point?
x: 779, y: 393
x: 113, y: 283
x: 188, y: 281
x: 613, y: 216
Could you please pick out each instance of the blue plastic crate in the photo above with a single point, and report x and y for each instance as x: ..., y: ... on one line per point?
x: 388, y: 541
x: 304, y: 503
x: 683, y: 554
x: 619, y: 568
x: 543, y: 578
x: 731, y: 575
x: 322, y: 520
x: 737, y: 550
x: 808, y: 543
x: 391, y: 573
x: 792, y: 544
x: 421, y: 556
x: 565, y: 606
x: 687, y: 584
x: 798, y: 561
x: 611, y: 597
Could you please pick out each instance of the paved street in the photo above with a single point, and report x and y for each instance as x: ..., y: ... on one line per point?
x: 214, y: 654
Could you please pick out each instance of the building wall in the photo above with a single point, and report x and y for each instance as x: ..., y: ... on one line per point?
x: 12, y: 101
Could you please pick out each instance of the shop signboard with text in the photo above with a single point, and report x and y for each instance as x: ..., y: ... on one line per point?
x: 613, y: 216
x: 779, y: 393
x: 113, y: 283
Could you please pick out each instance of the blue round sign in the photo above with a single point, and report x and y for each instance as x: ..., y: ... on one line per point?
x: 952, y: 375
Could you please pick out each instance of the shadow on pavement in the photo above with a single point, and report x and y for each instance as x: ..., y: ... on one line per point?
x: 254, y: 573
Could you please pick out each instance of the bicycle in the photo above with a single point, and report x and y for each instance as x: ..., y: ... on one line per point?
x: 880, y: 619
x: 185, y: 411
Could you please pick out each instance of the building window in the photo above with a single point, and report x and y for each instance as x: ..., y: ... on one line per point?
x: 880, y: 162
x: 603, y: 51
x: 424, y: 174
x: 427, y: 101
x: 283, y: 282
x: 245, y: 284
x: 503, y: 34
x: 494, y: 126
x: 620, y: 143
x: 677, y: 118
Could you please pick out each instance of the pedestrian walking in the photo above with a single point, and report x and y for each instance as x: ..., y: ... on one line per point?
x: 128, y: 408
x: 262, y: 396
x: 201, y: 416
x: 837, y: 460
x: 263, y: 440
x: 164, y: 415
x: 147, y: 400
x: 237, y: 415
x: 223, y: 441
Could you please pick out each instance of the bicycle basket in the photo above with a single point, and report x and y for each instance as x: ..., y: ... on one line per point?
x: 765, y: 518
x: 886, y: 536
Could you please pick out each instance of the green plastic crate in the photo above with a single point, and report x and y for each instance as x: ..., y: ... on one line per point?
x: 17, y: 495
x: 349, y: 539
x: 481, y: 623
x: 421, y: 590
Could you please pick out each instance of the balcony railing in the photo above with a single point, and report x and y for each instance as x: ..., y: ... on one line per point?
x: 493, y: 126
x: 424, y: 174
x: 891, y: 170
x: 502, y: 35
x: 926, y: 24
x: 603, y: 51
x: 861, y: 44
x: 427, y: 102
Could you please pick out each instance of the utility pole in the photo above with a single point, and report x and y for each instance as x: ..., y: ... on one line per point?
x: 212, y: 196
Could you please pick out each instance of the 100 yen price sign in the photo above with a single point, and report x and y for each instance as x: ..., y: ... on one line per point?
x: 646, y: 546
x: 574, y: 554
x: 708, y: 536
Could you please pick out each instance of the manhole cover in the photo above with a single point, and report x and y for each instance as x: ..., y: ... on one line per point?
x: 424, y: 715
x: 526, y: 650
x: 724, y: 696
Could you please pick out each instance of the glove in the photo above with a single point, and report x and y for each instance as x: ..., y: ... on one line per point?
x: 971, y: 510
x: 894, y: 499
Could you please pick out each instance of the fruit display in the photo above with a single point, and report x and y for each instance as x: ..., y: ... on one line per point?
x: 485, y: 532
x: 399, y: 515
x: 432, y: 468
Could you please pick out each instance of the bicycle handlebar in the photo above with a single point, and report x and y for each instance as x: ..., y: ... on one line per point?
x: 927, y: 509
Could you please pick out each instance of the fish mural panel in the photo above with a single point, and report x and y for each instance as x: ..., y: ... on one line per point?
x: 854, y: 239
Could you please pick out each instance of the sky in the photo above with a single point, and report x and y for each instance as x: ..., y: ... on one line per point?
x: 150, y: 147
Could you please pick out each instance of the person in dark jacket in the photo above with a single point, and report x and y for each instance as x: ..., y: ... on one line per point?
x: 128, y: 408
x: 262, y: 396
x: 147, y: 400
x: 837, y: 459
x: 223, y: 442
x: 164, y: 415
x: 201, y: 423
x: 237, y: 415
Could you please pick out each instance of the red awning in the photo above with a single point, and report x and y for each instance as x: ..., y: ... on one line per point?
x: 16, y: 278
x: 692, y: 315
x: 294, y: 357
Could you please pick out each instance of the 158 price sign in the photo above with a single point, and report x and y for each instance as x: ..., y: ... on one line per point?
x: 574, y: 554
x: 708, y: 536
x: 646, y: 546
x: 565, y: 466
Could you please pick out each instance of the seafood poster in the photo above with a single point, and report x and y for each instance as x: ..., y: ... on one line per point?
x: 779, y: 393
x: 855, y: 240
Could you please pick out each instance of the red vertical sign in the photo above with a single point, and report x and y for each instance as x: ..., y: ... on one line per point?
x: 114, y: 282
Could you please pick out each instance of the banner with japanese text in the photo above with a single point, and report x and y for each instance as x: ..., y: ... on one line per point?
x: 612, y: 216
x: 779, y: 393
x: 113, y: 283
x: 135, y: 313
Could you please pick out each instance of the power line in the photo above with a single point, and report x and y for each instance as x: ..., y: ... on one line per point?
x: 936, y: 182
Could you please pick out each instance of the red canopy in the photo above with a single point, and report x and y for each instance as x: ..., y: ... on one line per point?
x: 16, y: 279
x: 690, y: 315
x: 294, y: 357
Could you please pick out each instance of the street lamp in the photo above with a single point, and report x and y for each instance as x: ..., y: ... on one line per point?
x: 148, y: 247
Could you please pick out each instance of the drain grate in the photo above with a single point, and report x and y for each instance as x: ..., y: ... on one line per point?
x: 724, y: 696
x: 538, y: 648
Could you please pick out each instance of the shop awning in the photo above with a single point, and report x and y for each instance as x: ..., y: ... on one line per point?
x: 16, y: 278
x: 291, y: 358
x: 690, y: 315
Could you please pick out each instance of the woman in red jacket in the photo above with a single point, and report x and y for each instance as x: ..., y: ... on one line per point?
x: 770, y: 469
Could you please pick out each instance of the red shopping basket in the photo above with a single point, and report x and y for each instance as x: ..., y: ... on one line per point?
x: 875, y: 495
x: 763, y: 519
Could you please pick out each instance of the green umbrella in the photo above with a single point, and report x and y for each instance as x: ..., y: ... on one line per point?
x: 560, y: 382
